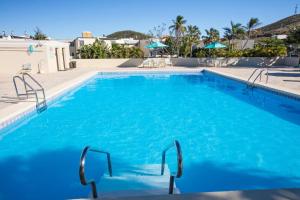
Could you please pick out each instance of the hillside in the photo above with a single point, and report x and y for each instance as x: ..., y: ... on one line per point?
x: 280, y: 27
x: 128, y: 34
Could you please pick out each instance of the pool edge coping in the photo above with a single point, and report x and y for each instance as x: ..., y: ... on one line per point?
x: 26, y: 108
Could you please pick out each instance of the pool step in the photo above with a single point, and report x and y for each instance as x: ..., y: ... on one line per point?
x: 137, y: 180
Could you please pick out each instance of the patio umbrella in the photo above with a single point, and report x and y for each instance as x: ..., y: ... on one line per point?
x: 156, y: 45
x: 215, y: 45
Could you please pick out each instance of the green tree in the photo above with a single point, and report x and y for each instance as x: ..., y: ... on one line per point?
x: 251, y: 25
x: 39, y: 35
x: 212, y: 35
x: 178, y: 28
x: 235, y: 31
x: 97, y: 50
x: 193, y: 34
x: 171, y: 49
x: 294, y: 36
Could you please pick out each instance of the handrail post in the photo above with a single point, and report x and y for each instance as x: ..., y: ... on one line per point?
x: 109, y: 164
x: 260, y: 74
x: 163, y: 162
x: 25, y: 84
x: 94, y: 190
x: 171, y: 185
x: 179, y: 164
x: 267, y: 79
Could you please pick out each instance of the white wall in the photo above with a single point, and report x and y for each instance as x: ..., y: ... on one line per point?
x: 193, y: 62
x: 240, y: 62
x: 105, y: 63
x: 14, y: 54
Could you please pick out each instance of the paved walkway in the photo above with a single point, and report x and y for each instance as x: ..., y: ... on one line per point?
x: 280, y: 194
x: 288, y: 78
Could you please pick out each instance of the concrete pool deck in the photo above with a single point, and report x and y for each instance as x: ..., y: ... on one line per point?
x: 280, y: 194
x: 284, y: 80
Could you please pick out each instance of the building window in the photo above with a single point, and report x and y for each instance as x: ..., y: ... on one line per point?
x: 81, y: 43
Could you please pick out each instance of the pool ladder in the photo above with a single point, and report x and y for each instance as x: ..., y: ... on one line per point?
x: 92, y: 182
x: 251, y: 84
x: 26, y: 80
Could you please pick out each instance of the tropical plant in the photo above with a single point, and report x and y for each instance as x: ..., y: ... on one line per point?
x: 171, y: 49
x: 294, y: 36
x: 178, y: 28
x: 251, y: 25
x: 235, y: 31
x: 99, y: 50
x: 192, y: 37
x: 39, y: 35
x: 121, y: 51
x: 212, y: 35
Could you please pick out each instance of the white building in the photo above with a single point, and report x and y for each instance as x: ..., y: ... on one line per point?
x: 88, y: 39
x: 280, y: 37
x: 43, y: 56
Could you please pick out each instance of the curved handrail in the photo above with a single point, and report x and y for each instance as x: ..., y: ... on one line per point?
x: 82, y: 177
x: 252, y: 74
x: 258, y: 76
x: 179, y: 172
x: 24, y: 74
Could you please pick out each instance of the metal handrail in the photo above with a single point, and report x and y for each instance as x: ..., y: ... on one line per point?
x: 258, y: 76
x: 24, y: 74
x: 29, y: 89
x: 252, y: 74
x: 82, y: 166
x: 179, y: 172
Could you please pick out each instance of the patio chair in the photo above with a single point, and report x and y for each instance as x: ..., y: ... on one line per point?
x: 147, y: 63
x: 168, y: 62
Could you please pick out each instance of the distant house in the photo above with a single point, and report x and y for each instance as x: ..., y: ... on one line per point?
x: 85, y: 39
x: 243, y: 44
x: 88, y: 39
x: 280, y: 37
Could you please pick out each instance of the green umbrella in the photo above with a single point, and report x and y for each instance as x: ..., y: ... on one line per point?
x: 215, y: 45
x: 156, y: 45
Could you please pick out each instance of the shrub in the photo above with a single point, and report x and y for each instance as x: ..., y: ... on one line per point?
x: 99, y: 50
x: 265, y: 48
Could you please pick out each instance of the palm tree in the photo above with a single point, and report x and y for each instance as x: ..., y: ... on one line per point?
x: 178, y: 28
x: 193, y: 37
x: 212, y: 35
x: 251, y: 25
x: 235, y: 31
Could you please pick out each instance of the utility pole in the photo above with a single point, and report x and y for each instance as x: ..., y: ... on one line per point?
x: 296, y: 9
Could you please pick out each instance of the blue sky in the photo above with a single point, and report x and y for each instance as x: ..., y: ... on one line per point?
x: 66, y: 19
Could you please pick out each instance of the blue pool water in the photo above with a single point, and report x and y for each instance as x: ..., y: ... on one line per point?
x: 231, y: 138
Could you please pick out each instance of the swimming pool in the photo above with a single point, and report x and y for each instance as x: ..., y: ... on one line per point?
x: 232, y: 138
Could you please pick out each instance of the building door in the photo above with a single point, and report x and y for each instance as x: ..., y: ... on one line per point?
x: 63, y: 56
x: 57, y: 60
